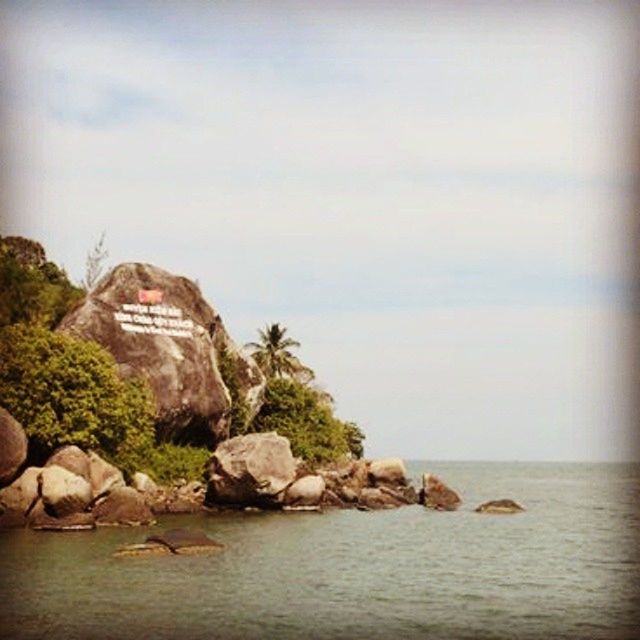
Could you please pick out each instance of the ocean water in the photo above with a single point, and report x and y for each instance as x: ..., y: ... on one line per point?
x: 566, y: 568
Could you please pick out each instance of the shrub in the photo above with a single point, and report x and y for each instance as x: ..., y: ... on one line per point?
x: 169, y: 462
x: 67, y: 391
x: 300, y: 414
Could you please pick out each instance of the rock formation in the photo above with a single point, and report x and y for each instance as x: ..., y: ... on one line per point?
x: 63, y: 492
x: 158, y: 325
x: 305, y: 491
x: 13, y: 447
x: 123, y: 506
x: 251, y: 470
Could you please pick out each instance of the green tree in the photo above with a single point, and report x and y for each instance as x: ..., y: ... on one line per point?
x: 240, y: 415
x: 67, y: 391
x: 274, y: 357
x: 32, y: 290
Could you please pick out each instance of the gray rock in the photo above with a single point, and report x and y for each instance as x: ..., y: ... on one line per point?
x: 376, y: 498
x: 251, y: 470
x: 63, y: 491
x: 72, y: 459
x: 387, y: 471
x: 437, y: 495
x: 20, y: 496
x: 499, y: 507
x: 103, y: 476
x: 13, y: 447
x: 175, y: 354
x: 307, y: 490
x: 123, y: 506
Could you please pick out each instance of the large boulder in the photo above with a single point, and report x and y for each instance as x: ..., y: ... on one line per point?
x: 123, y: 506
x: 104, y: 477
x: 64, y: 492
x: 307, y: 490
x: 388, y: 471
x: 158, y: 325
x: 435, y: 494
x: 19, y: 498
x: 13, y: 447
x: 72, y: 459
x: 251, y: 470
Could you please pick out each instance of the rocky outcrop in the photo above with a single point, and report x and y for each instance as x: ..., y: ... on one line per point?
x: 437, y: 495
x: 367, y: 485
x: 251, y: 470
x: 159, y: 326
x: 305, y: 491
x: 499, y: 507
x: 123, y: 506
x: 63, y: 492
x: 13, y: 447
x: 181, y: 498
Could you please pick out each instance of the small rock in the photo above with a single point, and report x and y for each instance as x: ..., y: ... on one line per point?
x: 499, y: 507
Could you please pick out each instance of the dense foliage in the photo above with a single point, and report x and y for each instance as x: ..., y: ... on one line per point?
x: 32, y: 290
x: 66, y: 391
x: 300, y: 414
x: 168, y: 462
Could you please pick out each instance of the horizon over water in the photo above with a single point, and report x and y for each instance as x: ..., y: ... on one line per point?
x: 565, y: 568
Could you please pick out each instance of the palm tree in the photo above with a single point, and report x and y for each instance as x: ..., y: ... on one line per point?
x: 274, y: 358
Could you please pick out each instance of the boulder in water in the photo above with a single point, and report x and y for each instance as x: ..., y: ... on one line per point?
x: 435, y: 494
x: 174, y: 541
x: 499, y: 507
x: 72, y: 522
x: 387, y: 471
x: 305, y: 491
x: 13, y: 447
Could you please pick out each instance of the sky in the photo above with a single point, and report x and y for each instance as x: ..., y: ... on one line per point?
x: 433, y: 199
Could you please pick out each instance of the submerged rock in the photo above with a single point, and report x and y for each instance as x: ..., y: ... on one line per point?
x: 13, y: 447
x: 174, y: 541
x: 437, y: 495
x: 123, y: 506
x: 251, y: 470
x: 499, y: 507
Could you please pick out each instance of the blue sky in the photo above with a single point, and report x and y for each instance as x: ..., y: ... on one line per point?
x: 433, y: 200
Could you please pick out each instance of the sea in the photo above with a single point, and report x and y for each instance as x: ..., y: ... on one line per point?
x: 568, y: 567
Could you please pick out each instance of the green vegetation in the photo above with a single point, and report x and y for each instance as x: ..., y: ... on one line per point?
x: 239, y: 418
x: 67, y: 391
x: 32, y: 290
x: 168, y: 462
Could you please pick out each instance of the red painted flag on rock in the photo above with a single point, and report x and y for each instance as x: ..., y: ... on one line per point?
x: 150, y: 296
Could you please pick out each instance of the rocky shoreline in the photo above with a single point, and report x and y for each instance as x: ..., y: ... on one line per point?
x: 77, y: 490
